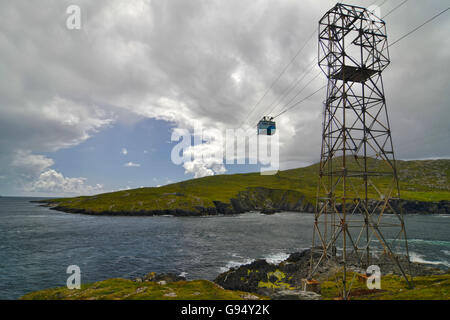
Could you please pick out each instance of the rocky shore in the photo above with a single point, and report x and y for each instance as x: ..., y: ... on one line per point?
x: 260, y: 199
x: 264, y: 200
x: 262, y: 280
x: 285, y: 280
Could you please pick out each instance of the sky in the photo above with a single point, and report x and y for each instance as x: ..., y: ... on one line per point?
x: 91, y: 110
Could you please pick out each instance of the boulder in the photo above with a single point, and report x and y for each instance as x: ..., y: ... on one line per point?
x: 268, y: 211
x: 246, y: 277
x: 295, y: 295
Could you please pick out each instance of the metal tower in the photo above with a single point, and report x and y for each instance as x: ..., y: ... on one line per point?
x: 357, y: 176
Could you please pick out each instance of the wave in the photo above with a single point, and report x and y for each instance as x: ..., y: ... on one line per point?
x: 38, y: 216
x: 430, y: 242
x: 273, y: 258
x: 446, y: 252
x: 419, y: 241
x: 276, y: 258
x: 415, y: 257
x: 235, y: 264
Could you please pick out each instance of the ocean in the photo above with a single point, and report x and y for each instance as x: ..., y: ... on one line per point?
x: 38, y: 244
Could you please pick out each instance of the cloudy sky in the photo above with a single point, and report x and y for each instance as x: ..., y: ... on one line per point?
x: 93, y: 110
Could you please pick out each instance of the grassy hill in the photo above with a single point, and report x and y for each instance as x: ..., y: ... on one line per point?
x: 123, y: 289
x: 419, y: 180
x: 433, y: 287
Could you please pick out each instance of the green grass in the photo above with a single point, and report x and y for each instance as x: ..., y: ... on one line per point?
x: 419, y: 180
x: 435, y: 287
x: 122, y: 289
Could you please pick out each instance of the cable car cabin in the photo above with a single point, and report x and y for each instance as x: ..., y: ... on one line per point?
x: 266, y: 126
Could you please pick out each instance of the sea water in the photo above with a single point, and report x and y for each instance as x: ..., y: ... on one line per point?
x: 38, y: 244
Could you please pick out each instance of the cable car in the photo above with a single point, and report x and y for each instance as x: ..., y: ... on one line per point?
x: 266, y: 126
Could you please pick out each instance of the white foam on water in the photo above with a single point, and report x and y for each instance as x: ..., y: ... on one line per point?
x: 276, y: 258
x: 420, y: 241
x: 183, y: 274
x: 447, y: 252
x: 430, y: 242
x: 235, y: 264
x: 273, y: 258
x: 415, y: 257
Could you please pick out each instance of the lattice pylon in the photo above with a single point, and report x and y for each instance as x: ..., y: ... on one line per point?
x: 358, y: 174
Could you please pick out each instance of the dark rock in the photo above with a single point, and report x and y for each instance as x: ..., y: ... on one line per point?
x: 267, y: 201
x: 263, y: 278
x: 297, y: 256
x: 268, y: 279
x: 246, y: 277
x: 223, y: 208
x: 294, y: 295
x: 268, y: 211
x: 405, y: 207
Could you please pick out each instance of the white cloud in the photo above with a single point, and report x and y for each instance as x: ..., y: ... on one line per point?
x: 206, y: 157
x: 196, y: 61
x: 124, y: 151
x: 55, y: 182
x: 34, y: 175
x: 132, y: 164
x: 30, y: 165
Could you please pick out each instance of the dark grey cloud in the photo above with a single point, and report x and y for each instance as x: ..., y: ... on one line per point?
x: 199, y: 60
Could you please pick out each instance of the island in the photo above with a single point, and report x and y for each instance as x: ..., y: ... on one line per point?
x: 424, y: 186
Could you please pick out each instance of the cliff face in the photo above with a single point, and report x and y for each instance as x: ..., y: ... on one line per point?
x: 268, y: 201
x: 253, y: 199
x: 411, y: 206
x: 422, y: 185
x: 265, y: 200
x: 274, y: 200
x: 407, y: 207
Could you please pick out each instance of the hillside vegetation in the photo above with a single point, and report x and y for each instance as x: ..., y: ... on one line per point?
x: 419, y: 180
x: 432, y: 287
x: 123, y: 289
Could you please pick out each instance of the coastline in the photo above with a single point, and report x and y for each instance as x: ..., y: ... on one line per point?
x: 260, y: 280
x: 236, y: 206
